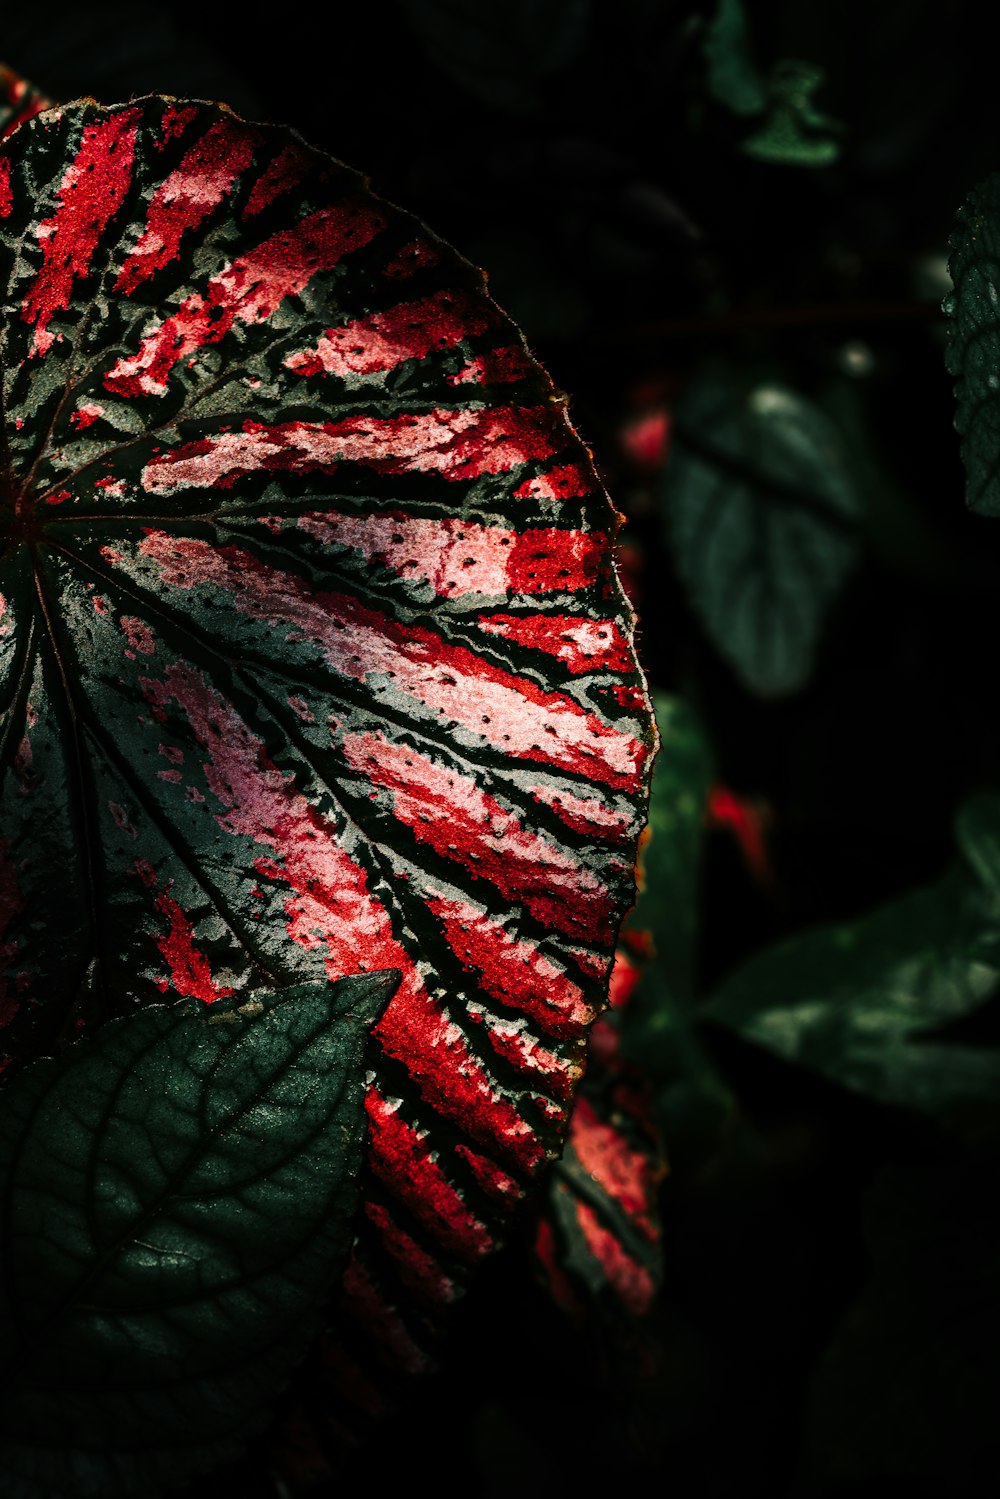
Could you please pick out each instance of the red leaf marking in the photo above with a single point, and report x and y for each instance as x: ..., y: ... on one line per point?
x: 190, y: 974
x: 381, y: 1320
x: 563, y: 483
x: 249, y: 291
x: 584, y: 645
x: 505, y: 710
x: 461, y: 822
x: 510, y: 1040
x: 175, y: 122
x: 6, y: 196
x: 585, y: 814
x: 556, y: 1279
x: 494, y: 1181
x: 387, y: 339
x: 402, y: 1158
x: 332, y: 903
x: 632, y: 1282
x: 91, y: 192
x: 282, y: 173
x: 459, y: 557
x: 412, y: 257
x: 201, y: 182
x: 494, y: 367
x: 462, y: 444
x: 511, y: 970
x: 623, y: 1172
x: 85, y: 416
x: 416, y: 1267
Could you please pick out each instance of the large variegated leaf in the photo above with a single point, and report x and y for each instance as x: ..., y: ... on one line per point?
x: 312, y: 656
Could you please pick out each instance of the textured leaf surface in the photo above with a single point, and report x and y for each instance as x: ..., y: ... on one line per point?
x: 178, y: 1194
x: 973, y: 309
x: 313, y: 659
x: 597, y: 1236
x: 760, y: 511
x: 863, y: 1002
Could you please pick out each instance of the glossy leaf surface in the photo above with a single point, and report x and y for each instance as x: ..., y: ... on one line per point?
x: 974, y: 341
x: 178, y: 1194
x: 760, y: 512
x: 313, y: 660
x: 867, y: 1003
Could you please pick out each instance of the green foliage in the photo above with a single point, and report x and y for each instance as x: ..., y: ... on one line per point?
x: 973, y: 310
x: 760, y: 511
x: 660, y: 1032
x: 795, y: 133
x: 792, y: 131
x: 865, y: 1002
x: 731, y: 73
x: 178, y: 1197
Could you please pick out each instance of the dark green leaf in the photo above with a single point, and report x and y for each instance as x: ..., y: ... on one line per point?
x: 670, y: 857
x: 973, y: 354
x: 732, y: 75
x: 795, y: 133
x: 862, y: 1001
x: 658, y: 940
x: 178, y: 1197
x: 504, y: 52
x: 760, y: 510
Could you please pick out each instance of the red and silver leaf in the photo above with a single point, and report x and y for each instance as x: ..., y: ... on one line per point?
x: 312, y: 654
x: 596, y: 1236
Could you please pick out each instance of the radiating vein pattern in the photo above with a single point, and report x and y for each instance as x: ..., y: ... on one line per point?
x: 312, y: 655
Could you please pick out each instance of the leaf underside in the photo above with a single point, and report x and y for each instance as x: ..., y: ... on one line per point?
x: 312, y: 655
x: 760, y: 516
x: 177, y: 1195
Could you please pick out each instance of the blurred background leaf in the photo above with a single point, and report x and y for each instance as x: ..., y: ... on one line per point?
x: 868, y: 1003
x: 760, y: 511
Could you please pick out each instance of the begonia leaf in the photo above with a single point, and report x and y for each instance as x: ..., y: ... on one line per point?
x: 596, y: 1234
x: 313, y: 659
x: 177, y: 1194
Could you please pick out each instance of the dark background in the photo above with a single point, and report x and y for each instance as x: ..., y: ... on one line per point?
x: 831, y: 1314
